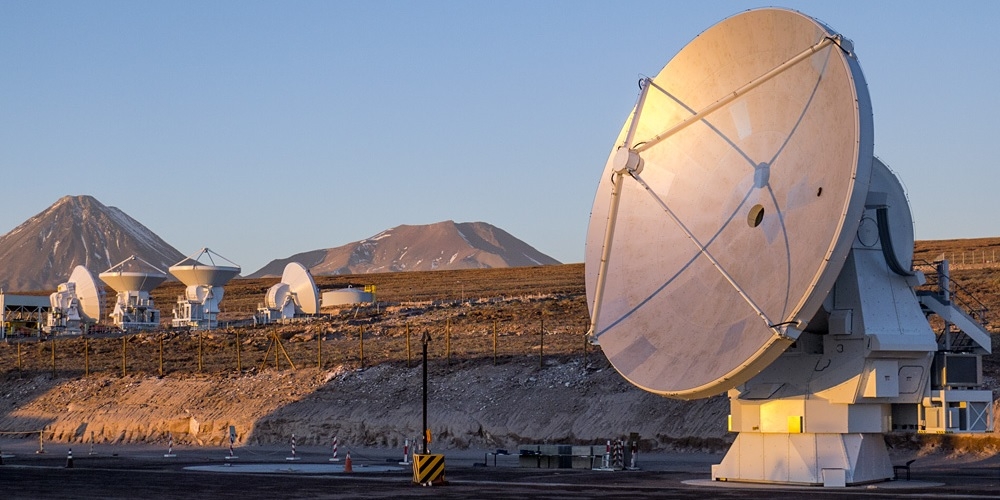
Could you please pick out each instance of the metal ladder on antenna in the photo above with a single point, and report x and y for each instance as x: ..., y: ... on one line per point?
x: 965, y: 317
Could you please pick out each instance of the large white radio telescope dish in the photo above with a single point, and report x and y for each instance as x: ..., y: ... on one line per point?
x: 744, y: 238
x: 752, y: 149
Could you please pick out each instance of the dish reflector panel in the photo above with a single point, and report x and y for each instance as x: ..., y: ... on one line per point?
x: 89, y: 291
x: 301, y: 283
x: 193, y: 272
x: 133, y: 274
x: 738, y: 223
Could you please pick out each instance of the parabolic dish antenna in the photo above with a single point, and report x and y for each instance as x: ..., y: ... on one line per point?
x: 193, y: 271
x: 131, y: 275
x: 301, y: 285
x: 751, y: 153
x: 295, y: 294
x: 90, y: 293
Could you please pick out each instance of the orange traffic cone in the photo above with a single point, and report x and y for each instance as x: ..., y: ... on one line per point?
x: 347, y: 463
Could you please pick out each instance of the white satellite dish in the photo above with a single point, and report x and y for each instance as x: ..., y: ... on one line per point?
x: 795, y: 150
x: 199, y: 306
x: 133, y: 274
x: 90, y: 292
x: 134, y: 279
x: 200, y: 269
x: 744, y: 238
x: 295, y: 294
x: 78, y: 301
x: 302, y: 287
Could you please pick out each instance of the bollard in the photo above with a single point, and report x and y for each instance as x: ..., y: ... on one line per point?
x: 293, y: 457
x: 232, y: 439
x: 428, y: 469
x: 406, y: 452
x: 170, y: 447
x: 69, y: 459
x: 334, y: 458
x: 41, y: 443
x: 92, y: 452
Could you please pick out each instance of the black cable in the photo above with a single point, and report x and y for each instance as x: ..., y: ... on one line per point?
x: 886, y: 238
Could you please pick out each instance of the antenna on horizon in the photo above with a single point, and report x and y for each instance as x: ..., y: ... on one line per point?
x: 198, y: 308
x: 76, y: 303
x: 295, y: 295
x: 134, y: 279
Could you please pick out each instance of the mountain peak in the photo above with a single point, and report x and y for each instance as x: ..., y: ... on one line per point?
x: 437, y: 246
x: 75, y: 230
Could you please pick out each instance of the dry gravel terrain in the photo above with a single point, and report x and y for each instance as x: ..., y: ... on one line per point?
x: 495, y: 379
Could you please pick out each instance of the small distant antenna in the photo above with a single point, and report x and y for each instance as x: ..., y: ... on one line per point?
x: 134, y: 279
x: 295, y: 295
x: 75, y: 303
x: 198, y: 308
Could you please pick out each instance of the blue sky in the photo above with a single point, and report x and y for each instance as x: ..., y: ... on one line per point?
x: 263, y: 129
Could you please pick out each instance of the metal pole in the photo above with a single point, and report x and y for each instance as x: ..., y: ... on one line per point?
x: 447, y: 340
x: 53, y: 340
x: 361, y: 337
x: 161, y: 355
x: 239, y: 363
x: 426, y: 339
x: 124, y: 349
x: 541, y: 342
x: 86, y: 357
x: 407, y: 345
x: 319, y: 351
x: 200, y: 347
x: 494, y: 342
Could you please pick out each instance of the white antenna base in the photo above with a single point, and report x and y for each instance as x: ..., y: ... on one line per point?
x: 834, y: 460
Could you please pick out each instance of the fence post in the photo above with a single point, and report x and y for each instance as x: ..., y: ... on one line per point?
x: 161, y: 356
x: 494, y: 342
x: 124, y: 349
x: 407, y: 344
x: 361, y: 337
x: 541, y: 341
x: 86, y: 357
x: 53, y: 340
x: 319, y: 351
x: 19, y: 358
x: 200, y: 348
x: 239, y: 363
x: 447, y: 340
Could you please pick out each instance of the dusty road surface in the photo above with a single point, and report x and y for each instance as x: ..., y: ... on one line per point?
x: 143, y: 472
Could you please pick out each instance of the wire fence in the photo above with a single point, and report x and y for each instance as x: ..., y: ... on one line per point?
x: 308, y: 345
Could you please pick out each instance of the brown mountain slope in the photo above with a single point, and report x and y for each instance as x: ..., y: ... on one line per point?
x: 444, y: 245
x: 76, y: 230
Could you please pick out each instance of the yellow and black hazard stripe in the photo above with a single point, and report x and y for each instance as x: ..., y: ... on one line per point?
x: 428, y: 469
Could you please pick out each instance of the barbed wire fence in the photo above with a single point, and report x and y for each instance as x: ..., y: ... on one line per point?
x: 301, y: 345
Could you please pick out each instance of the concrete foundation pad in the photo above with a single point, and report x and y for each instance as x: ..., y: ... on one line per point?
x: 883, y: 486
x: 290, y: 469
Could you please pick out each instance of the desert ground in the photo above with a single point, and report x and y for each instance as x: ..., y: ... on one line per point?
x: 507, y: 365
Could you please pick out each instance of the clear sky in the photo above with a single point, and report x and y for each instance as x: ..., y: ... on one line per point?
x: 263, y: 129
